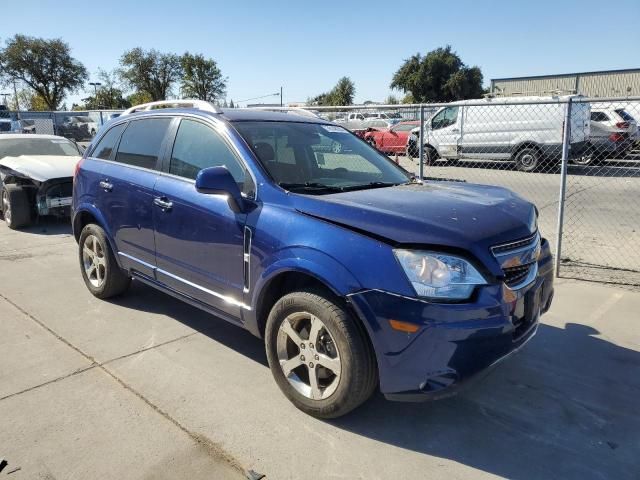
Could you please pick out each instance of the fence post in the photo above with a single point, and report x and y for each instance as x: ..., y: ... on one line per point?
x: 421, y: 146
x: 101, y: 119
x: 566, y: 148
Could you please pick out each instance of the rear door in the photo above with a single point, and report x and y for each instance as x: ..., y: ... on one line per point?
x: 125, y: 193
x: 199, y: 239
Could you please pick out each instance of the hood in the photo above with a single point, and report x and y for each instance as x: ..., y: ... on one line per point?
x: 41, y: 167
x: 448, y: 215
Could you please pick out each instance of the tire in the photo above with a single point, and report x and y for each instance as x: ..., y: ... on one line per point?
x: 528, y: 159
x: 430, y: 156
x: 589, y: 157
x: 100, y: 271
x: 16, y: 207
x: 336, y: 147
x: 371, y: 141
x: 341, y: 347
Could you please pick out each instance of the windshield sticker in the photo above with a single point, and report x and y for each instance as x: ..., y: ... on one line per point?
x: 334, y: 129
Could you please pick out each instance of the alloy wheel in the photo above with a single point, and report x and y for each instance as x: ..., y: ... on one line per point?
x: 94, y: 261
x: 6, y: 207
x: 308, y: 356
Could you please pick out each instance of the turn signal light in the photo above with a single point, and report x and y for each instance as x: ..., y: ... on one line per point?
x: 405, y: 327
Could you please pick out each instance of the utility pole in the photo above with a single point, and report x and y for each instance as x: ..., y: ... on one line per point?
x: 15, y: 96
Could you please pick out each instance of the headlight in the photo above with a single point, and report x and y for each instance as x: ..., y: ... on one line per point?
x: 439, y: 276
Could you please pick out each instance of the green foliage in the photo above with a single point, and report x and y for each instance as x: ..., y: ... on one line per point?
x: 439, y: 76
x: 45, y: 66
x: 201, y: 78
x: 341, y: 94
x: 391, y: 100
x: 231, y: 104
x: 150, y: 71
x: 138, y: 98
x: 109, y: 94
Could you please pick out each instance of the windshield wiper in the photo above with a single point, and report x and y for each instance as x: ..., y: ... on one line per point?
x: 310, y: 186
x: 369, y: 185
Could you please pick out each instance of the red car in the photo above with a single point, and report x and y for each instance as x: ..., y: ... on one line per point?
x: 391, y: 140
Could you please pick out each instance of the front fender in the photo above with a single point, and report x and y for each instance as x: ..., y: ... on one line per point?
x: 319, y: 265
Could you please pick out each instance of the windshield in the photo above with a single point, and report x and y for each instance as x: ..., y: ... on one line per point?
x: 14, y: 147
x: 318, y: 159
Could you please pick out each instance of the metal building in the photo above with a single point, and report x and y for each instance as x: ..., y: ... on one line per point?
x: 608, y: 83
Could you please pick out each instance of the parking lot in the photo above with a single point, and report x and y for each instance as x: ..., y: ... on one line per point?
x: 147, y: 387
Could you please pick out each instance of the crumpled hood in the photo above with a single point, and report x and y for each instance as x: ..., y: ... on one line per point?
x: 436, y: 214
x: 42, y: 167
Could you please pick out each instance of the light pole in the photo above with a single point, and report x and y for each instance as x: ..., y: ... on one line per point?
x: 95, y: 92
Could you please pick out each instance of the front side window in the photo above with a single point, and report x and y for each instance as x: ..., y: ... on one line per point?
x: 317, y: 159
x: 141, y: 142
x: 625, y: 115
x: 198, y: 146
x: 108, y: 143
x: 446, y: 117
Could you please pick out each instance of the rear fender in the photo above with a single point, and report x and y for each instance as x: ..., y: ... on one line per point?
x: 87, y: 208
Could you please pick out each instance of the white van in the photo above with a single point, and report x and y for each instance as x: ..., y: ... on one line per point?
x: 504, y: 129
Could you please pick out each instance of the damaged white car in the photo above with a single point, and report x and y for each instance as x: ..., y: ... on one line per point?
x: 36, y: 177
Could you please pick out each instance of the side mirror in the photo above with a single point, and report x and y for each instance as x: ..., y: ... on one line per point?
x: 218, y: 181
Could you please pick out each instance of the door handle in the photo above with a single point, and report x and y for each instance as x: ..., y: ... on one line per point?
x: 455, y: 130
x: 163, y: 203
x: 106, y: 186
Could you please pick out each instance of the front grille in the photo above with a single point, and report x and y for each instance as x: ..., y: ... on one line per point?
x: 515, y: 275
x: 507, y: 247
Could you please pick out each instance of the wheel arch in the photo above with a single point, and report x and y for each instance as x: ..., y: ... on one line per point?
x: 86, y: 214
x: 518, y: 147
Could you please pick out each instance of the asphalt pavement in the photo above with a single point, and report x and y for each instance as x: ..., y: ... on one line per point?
x: 144, y: 386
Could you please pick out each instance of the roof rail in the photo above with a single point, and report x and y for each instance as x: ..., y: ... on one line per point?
x: 293, y: 110
x: 197, y: 104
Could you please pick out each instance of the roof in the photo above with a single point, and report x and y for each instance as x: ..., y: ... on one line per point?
x: 532, y: 77
x: 29, y: 136
x: 245, y: 115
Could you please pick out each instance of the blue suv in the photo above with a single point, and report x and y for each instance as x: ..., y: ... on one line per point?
x: 356, y: 274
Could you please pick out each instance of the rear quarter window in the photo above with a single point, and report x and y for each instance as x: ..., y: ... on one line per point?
x: 108, y: 143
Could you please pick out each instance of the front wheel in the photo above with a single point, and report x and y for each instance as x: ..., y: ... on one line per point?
x: 371, y: 141
x: 16, y: 207
x: 100, y: 271
x: 319, y: 355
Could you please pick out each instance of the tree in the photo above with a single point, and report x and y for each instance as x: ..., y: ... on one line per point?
x: 231, y: 105
x: 150, y: 71
x: 138, y: 98
x: 201, y: 78
x: 391, y: 100
x: 45, y: 66
x: 341, y: 94
x: 109, y: 94
x: 439, y: 76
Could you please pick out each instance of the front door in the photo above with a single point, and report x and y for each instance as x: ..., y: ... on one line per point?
x: 198, y: 237
x: 125, y: 192
x: 444, y: 132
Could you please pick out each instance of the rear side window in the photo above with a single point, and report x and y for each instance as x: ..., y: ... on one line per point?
x: 599, y: 117
x: 198, y: 146
x: 108, y: 143
x: 141, y: 142
x: 625, y: 116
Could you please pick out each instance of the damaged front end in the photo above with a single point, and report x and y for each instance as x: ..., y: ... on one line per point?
x: 53, y: 197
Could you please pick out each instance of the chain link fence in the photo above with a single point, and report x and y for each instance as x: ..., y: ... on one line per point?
x: 576, y: 159
x: 584, y: 179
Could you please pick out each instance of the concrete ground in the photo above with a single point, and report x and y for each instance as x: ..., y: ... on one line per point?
x: 147, y: 387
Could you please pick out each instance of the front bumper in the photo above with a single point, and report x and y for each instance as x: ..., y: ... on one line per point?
x: 455, y: 342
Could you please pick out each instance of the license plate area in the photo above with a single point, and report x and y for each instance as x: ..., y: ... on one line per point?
x: 532, y: 305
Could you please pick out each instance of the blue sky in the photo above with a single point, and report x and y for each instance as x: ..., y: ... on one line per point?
x: 306, y: 46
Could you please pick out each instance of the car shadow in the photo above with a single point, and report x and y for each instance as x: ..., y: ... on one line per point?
x: 47, y: 226
x: 564, y: 407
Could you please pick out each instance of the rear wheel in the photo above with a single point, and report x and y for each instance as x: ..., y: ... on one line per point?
x: 372, y: 141
x: 318, y: 355
x: 528, y: 159
x: 16, y: 207
x: 100, y: 271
